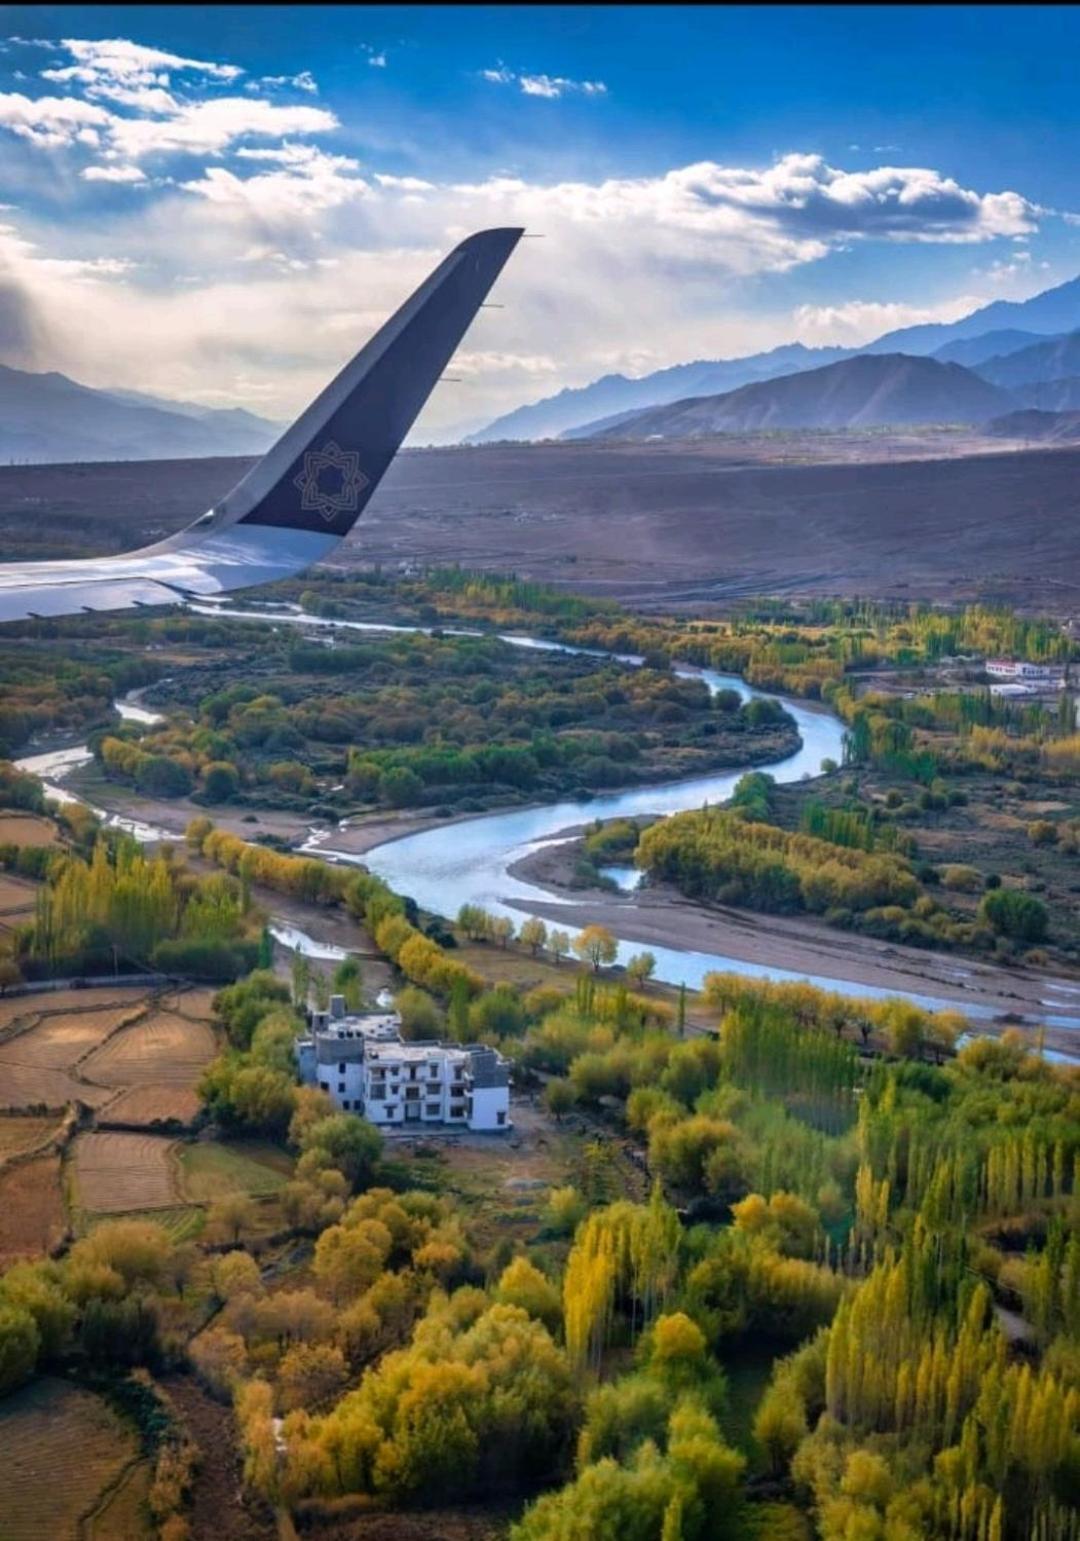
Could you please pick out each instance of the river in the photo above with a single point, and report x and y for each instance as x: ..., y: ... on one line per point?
x: 469, y: 862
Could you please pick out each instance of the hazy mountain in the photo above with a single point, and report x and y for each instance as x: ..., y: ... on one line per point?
x: 49, y: 419
x: 1054, y: 358
x: 973, y: 351
x: 615, y: 395
x: 994, y: 331
x: 1036, y: 427
x: 1054, y: 311
x: 861, y: 392
x: 1049, y: 395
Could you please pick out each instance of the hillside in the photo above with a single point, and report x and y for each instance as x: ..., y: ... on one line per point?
x: 860, y: 392
x: 1053, y: 358
x: 992, y: 332
x: 1035, y: 427
x: 49, y: 419
x: 616, y: 395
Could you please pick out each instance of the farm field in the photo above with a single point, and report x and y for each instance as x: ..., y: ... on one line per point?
x: 35, y: 1086
x: 32, y: 1219
x: 115, y: 1172
x: 63, y: 1448
x: 210, y: 1170
x: 151, y: 1104
x: 58, y: 1041
x: 196, y: 1002
x: 20, y: 1133
x: 14, y: 1008
x: 27, y: 829
x: 161, y: 1048
x: 18, y: 897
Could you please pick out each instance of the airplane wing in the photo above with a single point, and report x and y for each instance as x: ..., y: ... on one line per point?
x: 308, y: 491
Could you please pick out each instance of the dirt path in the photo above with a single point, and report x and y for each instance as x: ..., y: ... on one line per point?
x: 218, y: 1510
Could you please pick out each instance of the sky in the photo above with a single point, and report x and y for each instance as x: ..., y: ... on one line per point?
x: 220, y: 204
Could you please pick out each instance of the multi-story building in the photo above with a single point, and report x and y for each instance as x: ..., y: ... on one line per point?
x: 365, y: 1065
x: 1050, y: 676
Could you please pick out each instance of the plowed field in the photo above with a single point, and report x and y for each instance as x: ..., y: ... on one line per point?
x: 161, y: 1048
x: 119, y: 1172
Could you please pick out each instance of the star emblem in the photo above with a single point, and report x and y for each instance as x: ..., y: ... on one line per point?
x: 331, y: 481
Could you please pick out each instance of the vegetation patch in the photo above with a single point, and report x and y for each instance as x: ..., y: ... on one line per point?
x: 209, y: 1170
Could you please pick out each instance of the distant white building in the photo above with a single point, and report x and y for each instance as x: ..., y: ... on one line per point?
x: 366, y: 1067
x: 1045, y: 676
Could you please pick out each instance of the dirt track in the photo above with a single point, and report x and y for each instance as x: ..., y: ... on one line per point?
x: 653, y: 523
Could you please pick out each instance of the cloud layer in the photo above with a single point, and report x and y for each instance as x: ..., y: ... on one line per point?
x: 293, y: 250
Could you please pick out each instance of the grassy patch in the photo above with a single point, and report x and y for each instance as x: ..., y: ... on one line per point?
x: 209, y: 1171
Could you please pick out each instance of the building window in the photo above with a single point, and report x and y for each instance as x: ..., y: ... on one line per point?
x: 412, y: 1093
x: 378, y: 1094
x: 340, y: 1087
x: 391, y: 1110
x: 434, y: 1109
x: 341, y: 1069
x: 500, y: 1116
x: 324, y: 1086
x: 345, y: 1103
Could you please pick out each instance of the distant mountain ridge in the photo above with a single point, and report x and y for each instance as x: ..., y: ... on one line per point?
x: 866, y: 391
x: 50, y: 419
x: 615, y: 395
x: 994, y: 332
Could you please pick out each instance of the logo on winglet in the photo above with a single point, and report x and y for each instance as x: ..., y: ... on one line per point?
x: 331, y: 481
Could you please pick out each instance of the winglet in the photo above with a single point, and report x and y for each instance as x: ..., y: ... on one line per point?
x: 322, y: 472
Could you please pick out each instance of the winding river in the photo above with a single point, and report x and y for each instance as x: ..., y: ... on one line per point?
x: 442, y: 869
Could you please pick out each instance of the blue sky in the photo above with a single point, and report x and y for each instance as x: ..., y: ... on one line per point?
x: 221, y: 203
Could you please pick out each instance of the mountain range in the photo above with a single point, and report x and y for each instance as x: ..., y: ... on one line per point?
x: 1003, y: 357
x: 49, y: 419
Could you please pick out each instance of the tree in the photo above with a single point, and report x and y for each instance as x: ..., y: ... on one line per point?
x: 420, y: 1016
x: 596, y: 945
x: 230, y: 1216
x: 522, y: 1284
x: 559, y: 1097
x: 348, y: 980
x: 502, y: 929
x: 345, y: 1141
x: 310, y: 1373
x: 558, y: 945
x: 301, y: 979
x: 641, y: 967
x: 1015, y: 914
x: 19, y: 1343
x: 10, y: 974
x: 533, y: 934
x: 220, y: 781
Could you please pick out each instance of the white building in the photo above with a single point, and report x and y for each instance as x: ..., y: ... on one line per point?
x: 1048, y: 676
x: 366, y: 1067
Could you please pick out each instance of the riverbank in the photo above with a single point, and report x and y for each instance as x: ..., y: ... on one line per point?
x: 659, y: 915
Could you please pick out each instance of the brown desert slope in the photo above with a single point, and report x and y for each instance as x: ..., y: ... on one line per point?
x: 869, y: 391
x: 662, y: 523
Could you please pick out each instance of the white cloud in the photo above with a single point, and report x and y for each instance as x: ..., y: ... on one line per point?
x: 129, y: 174
x: 304, y: 81
x: 550, y: 87
x: 104, y: 64
x: 49, y: 121
x: 211, y: 126
x: 859, y: 321
x: 307, y: 182
x: 377, y: 61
